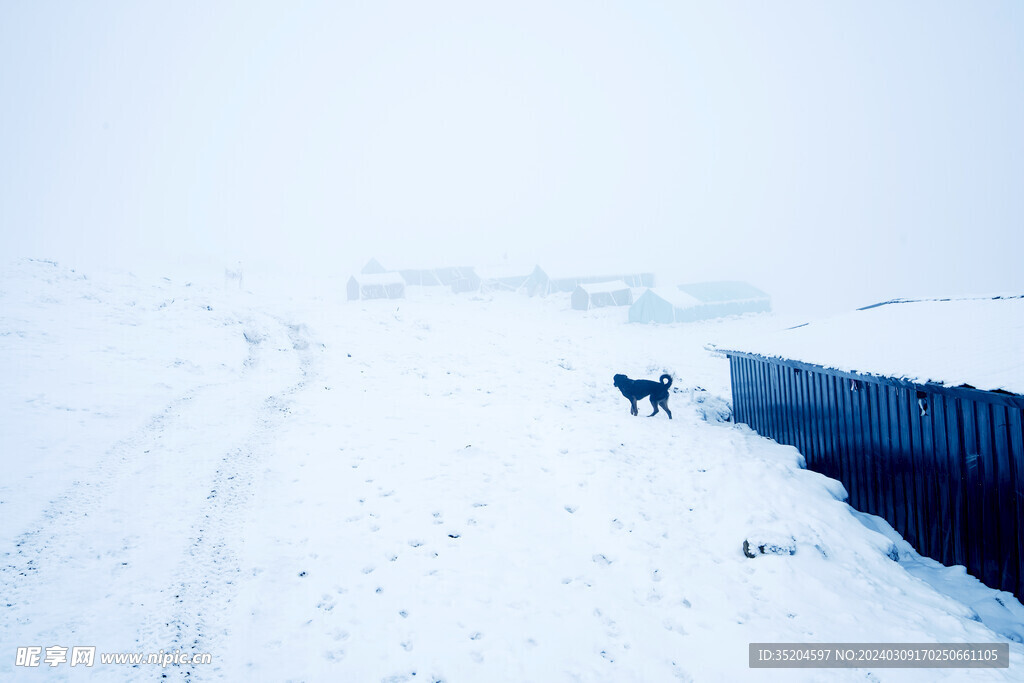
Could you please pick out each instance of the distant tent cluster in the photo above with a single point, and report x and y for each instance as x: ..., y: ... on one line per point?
x: 685, y: 303
x: 532, y: 281
x: 698, y: 301
x: 376, y: 282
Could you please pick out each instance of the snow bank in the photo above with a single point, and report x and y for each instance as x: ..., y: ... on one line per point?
x: 952, y: 342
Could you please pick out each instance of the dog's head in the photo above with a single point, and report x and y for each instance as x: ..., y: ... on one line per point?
x: 620, y: 380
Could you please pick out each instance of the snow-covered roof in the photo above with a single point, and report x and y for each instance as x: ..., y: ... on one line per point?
x: 675, y: 297
x: 714, y: 292
x: 379, y: 279
x: 603, y: 287
x: 977, y: 342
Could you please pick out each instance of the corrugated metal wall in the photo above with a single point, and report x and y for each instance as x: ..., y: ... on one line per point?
x: 944, y: 466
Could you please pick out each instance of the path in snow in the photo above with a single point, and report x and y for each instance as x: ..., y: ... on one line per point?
x: 137, y: 552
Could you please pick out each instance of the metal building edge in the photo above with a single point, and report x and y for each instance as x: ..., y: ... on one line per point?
x: 943, y: 465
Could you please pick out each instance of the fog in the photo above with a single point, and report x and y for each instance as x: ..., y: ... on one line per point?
x: 833, y: 154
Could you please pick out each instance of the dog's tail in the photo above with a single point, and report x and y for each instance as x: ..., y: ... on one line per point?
x: 666, y: 377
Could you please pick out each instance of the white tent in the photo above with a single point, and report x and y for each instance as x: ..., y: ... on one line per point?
x: 505, y: 278
x: 720, y: 299
x: 699, y: 301
x: 568, y: 283
x: 376, y: 286
x: 663, y: 306
x: 600, y: 294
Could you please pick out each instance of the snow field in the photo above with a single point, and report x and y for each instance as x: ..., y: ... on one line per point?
x: 438, y: 488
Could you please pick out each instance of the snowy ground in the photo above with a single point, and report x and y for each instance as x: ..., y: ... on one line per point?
x: 438, y: 488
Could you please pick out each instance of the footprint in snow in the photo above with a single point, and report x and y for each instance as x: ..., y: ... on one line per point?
x: 601, y: 559
x: 674, y: 626
x: 415, y: 543
x: 571, y: 509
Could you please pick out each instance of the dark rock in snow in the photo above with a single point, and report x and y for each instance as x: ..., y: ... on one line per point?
x: 769, y: 547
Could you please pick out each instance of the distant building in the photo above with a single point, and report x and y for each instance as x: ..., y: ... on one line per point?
x: 376, y: 286
x: 664, y: 306
x: 917, y: 407
x: 466, y: 280
x: 568, y: 283
x: 698, y: 301
x: 525, y: 280
x: 448, y: 276
x: 720, y: 299
x: 451, y: 276
x: 600, y: 294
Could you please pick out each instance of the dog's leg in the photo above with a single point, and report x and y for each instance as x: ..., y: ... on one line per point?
x: 655, y: 404
x: 632, y: 407
x: 664, y: 404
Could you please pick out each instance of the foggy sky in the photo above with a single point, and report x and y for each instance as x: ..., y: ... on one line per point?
x: 840, y: 151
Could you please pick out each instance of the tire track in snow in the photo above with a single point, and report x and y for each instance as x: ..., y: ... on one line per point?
x: 87, y: 554
x: 63, y: 518
x: 207, y: 577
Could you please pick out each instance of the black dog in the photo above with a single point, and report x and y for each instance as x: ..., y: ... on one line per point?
x: 636, y: 389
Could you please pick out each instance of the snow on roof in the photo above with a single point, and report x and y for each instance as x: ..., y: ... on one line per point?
x: 714, y: 292
x: 978, y: 342
x: 379, y: 279
x: 602, y: 287
x: 675, y: 297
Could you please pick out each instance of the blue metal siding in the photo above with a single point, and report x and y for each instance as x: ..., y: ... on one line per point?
x: 943, y: 465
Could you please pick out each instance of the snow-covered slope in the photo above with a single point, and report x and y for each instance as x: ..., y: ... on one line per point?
x: 975, y: 341
x: 436, y: 488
